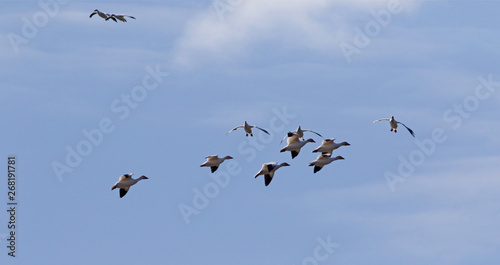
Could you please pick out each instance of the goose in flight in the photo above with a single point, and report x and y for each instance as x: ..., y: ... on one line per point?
x: 125, y: 182
x: 328, y: 145
x: 294, y: 144
x: 119, y: 17
x: 247, y: 128
x: 323, y: 160
x: 394, y: 125
x: 106, y: 16
x: 214, y: 161
x: 300, y: 133
x: 268, y: 170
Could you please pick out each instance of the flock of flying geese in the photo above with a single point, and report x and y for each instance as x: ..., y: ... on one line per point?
x: 294, y: 144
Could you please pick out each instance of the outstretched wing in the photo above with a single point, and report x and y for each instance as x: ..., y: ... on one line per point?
x: 268, y: 179
x: 313, y: 132
x: 262, y: 129
x: 410, y: 130
x: 234, y: 129
x: 123, y: 191
x: 283, y: 139
x: 384, y: 119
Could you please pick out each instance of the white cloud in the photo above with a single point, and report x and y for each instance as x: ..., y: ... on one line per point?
x: 316, y: 26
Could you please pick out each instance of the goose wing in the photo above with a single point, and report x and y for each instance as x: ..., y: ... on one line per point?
x: 283, y: 139
x: 234, y: 129
x: 261, y: 129
x: 384, y: 119
x: 268, y: 178
x: 313, y: 132
x: 123, y: 191
x: 124, y: 177
x: 410, y: 130
x: 212, y: 157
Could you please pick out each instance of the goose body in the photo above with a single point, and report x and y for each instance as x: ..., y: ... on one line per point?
x: 268, y: 170
x: 106, y: 16
x: 295, y: 144
x: 214, y: 161
x: 248, y: 129
x: 120, y: 17
x: 322, y: 161
x: 125, y: 182
x: 328, y: 145
x: 300, y: 133
x: 394, y: 125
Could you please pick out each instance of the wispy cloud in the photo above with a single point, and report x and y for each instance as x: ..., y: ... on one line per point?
x: 317, y: 26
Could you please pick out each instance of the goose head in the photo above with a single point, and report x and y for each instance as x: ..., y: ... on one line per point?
x: 310, y: 140
x: 344, y: 143
x: 284, y: 164
x: 142, y: 177
x: 338, y: 157
x: 228, y: 157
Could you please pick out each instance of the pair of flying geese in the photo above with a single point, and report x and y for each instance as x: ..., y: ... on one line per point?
x: 113, y: 17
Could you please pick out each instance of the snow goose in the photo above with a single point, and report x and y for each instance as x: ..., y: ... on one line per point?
x: 106, y: 16
x: 247, y: 128
x: 214, y: 161
x: 322, y: 161
x: 394, y: 125
x: 300, y: 133
x: 119, y: 17
x: 125, y: 182
x: 268, y: 170
x: 294, y: 144
x: 328, y: 145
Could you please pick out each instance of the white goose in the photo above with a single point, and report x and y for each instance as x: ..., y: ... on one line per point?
x: 322, y: 161
x: 300, y: 133
x: 214, y: 161
x: 247, y: 128
x: 125, y: 182
x: 294, y: 144
x: 328, y: 145
x: 268, y: 170
x: 119, y: 17
x: 106, y: 16
x: 394, y: 125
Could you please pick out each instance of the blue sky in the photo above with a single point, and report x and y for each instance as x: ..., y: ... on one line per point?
x: 159, y: 93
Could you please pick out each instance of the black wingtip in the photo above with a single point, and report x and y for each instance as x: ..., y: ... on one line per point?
x: 214, y: 169
x: 122, y: 192
x: 267, y: 179
x: 316, y: 169
x: 294, y: 154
